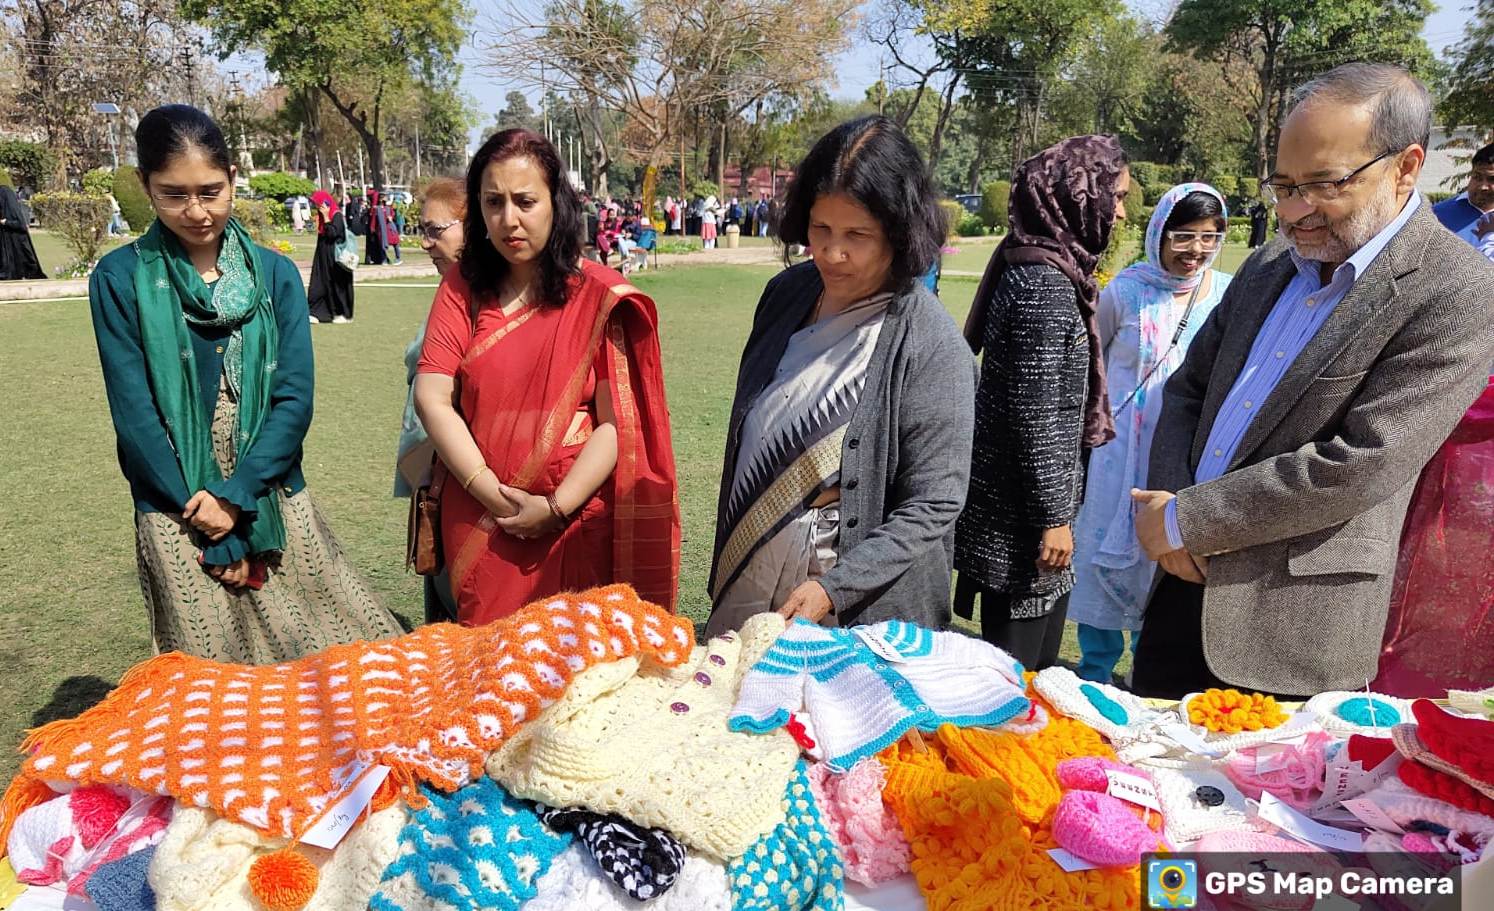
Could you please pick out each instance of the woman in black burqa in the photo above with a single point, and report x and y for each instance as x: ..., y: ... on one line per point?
x: 17, y: 255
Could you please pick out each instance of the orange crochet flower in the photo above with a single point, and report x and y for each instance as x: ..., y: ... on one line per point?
x: 271, y: 746
x: 976, y: 807
x: 1230, y: 711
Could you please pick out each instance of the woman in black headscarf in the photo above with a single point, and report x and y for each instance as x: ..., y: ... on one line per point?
x: 1042, y: 398
x: 17, y: 256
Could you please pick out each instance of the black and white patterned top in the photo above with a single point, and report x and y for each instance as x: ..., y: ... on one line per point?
x: 643, y: 862
x: 1026, y: 474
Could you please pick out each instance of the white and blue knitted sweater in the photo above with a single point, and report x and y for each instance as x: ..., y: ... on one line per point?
x: 862, y: 688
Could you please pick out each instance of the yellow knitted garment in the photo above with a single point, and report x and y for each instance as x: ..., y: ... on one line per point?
x: 651, y: 743
x: 977, y: 807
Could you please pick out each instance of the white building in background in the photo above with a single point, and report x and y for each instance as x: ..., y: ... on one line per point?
x: 1440, y: 173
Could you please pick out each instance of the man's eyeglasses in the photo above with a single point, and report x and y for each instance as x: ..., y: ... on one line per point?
x: 213, y: 202
x: 433, y: 232
x: 1189, y: 240
x: 1317, y: 192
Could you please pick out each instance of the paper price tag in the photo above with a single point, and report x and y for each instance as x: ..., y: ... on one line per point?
x: 339, y: 818
x: 1294, y: 823
x: 878, y: 645
x: 1069, y: 862
x: 1132, y: 789
x: 1369, y: 813
x: 1184, y: 737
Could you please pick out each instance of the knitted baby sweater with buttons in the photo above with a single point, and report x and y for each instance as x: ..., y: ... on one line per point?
x: 864, y: 687
x: 271, y: 746
x: 651, y: 744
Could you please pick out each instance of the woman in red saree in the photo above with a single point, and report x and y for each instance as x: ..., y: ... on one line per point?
x: 541, y: 387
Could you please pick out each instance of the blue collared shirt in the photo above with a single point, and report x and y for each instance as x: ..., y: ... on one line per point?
x: 1301, y: 310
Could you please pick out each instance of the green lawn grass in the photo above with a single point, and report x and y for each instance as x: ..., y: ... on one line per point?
x: 71, y: 615
x: 54, y: 254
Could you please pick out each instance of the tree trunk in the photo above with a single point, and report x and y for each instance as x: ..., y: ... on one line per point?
x: 946, y: 108
x: 373, y: 143
x: 597, y: 155
x: 721, y: 161
x: 1260, y: 128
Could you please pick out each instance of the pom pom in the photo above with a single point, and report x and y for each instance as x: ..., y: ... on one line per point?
x: 96, y: 811
x: 283, y: 880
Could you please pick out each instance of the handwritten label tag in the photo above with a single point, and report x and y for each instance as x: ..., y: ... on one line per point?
x: 1346, y: 778
x: 340, y: 817
x: 1069, y: 862
x: 1369, y: 813
x: 1184, y: 737
x: 878, y: 645
x: 1294, y: 823
x: 1132, y: 789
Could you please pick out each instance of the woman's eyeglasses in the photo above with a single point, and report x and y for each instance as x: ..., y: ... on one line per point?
x: 433, y: 232
x: 1189, y: 240
x: 213, y: 202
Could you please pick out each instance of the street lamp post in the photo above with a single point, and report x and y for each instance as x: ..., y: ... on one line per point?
x: 109, y: 109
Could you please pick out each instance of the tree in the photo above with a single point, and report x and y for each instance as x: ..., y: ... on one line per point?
x: 516, y: 112
x: 72, y: 53
x: 664, y: 68
x: 1286, y: 43
x: 376, y: 48
x: 1470, y: 96
x: 1193, y: 113
x: 1014, y: 50
x: 1104, y: 84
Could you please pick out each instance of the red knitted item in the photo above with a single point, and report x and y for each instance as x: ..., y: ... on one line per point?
x: 271, y: 746
x: 1369, y: 752
x: 1445, y: 788
x: 1467, y: 743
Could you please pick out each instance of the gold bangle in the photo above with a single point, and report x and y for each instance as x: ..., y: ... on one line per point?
x: 472, y: 477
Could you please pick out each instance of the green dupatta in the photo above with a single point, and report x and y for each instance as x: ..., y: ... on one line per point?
x: 170, y: 294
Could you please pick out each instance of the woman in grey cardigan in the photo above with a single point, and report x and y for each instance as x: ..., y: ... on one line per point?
x: 847, y: 455
x: 1042, y: 399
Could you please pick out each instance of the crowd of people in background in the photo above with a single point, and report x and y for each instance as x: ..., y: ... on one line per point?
x: 1216, y: 466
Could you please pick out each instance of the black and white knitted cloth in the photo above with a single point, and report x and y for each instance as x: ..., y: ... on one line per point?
x: 642, y: 862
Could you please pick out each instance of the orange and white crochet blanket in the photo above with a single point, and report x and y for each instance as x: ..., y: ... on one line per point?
x: 271, y: 746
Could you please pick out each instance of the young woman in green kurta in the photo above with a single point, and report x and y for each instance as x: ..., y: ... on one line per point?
x: 206, y: 353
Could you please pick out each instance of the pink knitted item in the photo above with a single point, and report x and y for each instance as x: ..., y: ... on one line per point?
x: 1103, y: 830
x: 67, y: 838
x: 1087, y: 773
x: 1299, y: 782
x: 870, y: 838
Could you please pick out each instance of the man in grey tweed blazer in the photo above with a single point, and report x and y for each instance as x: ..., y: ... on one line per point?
x: 1292, y: 437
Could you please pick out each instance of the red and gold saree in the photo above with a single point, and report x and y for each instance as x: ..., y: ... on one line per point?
x: 522, y: 379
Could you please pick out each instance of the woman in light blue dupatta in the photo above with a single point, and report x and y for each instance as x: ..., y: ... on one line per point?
x: 1148, y: 315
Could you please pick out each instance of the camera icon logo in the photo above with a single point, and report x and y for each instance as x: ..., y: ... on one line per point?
x: 1171, y: 883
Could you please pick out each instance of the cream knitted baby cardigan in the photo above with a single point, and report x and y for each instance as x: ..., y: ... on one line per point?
x: 865, y: 686
x: 651, y: 743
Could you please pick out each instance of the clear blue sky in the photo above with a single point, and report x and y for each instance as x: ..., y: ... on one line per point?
x: 858, y: 67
